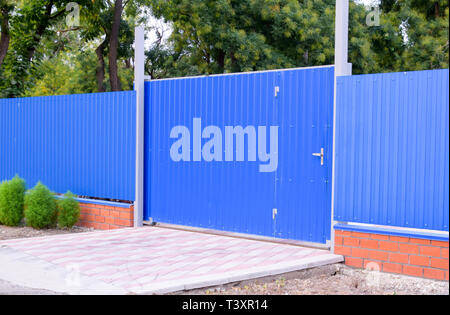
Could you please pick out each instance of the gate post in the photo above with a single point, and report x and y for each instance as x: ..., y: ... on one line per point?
x: 341, y: 68
x: 139, y: 59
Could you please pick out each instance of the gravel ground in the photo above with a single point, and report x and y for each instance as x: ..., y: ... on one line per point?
x: 7, y: 233
x: 335, y: 279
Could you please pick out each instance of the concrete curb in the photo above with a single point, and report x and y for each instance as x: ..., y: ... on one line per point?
x: 202, y: 282
x: 28, y: 271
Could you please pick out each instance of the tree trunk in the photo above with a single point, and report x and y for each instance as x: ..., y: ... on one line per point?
x: 5, y: 37
x: 113, y: 45
x: 221, y: 60
x: 40, y: 30
x: 100, y: 72
x: 436, y: 10
x: 234, y: 64
x: 128, y: 64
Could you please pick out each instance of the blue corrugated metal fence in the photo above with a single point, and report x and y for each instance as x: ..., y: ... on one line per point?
x: 83, y: 143
x: 291, y: 202
x: 392, y: 149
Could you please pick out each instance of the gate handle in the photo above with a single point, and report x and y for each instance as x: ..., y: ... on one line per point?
x: 321, y: 155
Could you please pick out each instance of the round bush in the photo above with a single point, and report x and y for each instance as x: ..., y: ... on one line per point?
x: 12, y: 194
x: 40, y: 208
x: 68, y: 211
x: 3, y: 195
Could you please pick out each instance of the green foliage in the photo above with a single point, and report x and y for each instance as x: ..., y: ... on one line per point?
x: 234, y: 36
x: 31, y: 24
x: 73, y: 65
x: 74, y: 73
x: 67, y: 73
x: 425, y: 27
x: 12, y: 201
x: 212, y: 36
x: 40, y: 208
x: 231, y: 36
x: 68, y: 211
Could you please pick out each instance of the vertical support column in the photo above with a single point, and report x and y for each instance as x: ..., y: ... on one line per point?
x: 341, y: 68
x: 139, y: 59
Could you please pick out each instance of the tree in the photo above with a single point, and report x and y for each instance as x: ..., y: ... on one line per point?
x: 424, y: 29
x: 5, y: 10
x: 29, y: 24
x: 209, y: 36
x: 112, y: 24
x: 70, y: 71
x: 113, y: 44
x: 71, y: 68
x: 246, y: 35
x: 35, y: 22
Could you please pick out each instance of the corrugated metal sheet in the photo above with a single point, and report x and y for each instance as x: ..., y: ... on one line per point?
x: 392, y: 149
x: 235, y: 196
x: 82, y: 143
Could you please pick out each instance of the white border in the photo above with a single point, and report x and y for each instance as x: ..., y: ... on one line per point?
x: 241, y: 73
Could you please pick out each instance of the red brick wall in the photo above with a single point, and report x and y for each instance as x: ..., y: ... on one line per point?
x: 105, y: 217
x: 403, y: 255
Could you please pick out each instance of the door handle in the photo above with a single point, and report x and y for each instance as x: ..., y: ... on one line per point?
x: 321, y: 155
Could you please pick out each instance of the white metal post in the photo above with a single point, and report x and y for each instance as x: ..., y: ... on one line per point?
x: 341, y: 68
x: 139, y: 59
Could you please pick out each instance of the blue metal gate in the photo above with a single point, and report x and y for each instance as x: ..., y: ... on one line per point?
x: 248, y: 153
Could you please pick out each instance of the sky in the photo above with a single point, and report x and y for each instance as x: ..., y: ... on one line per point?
x: 154, y: 24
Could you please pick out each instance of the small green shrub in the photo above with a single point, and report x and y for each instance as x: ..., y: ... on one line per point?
x: 12, y: 194
x: 40, y: 208
x: 2, y: 194
x: 3, y: 190
x: 68, y: 211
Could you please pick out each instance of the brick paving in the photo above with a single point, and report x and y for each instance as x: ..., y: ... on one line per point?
x: 153, y: 259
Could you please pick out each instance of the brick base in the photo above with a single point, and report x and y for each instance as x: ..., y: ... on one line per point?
x: 105, y: 216
x: 394, y: 254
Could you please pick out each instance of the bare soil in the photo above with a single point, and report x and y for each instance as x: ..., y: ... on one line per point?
x: 7, y: 233
x: 335, y: 279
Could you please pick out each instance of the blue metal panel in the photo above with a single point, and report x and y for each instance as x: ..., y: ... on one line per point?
x: 392, y: 149
x: 235, y: 196
x: 303, y: 190
x: 83, y: 143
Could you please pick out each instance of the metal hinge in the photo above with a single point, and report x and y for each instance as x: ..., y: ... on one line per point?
x: 277, y: 90
x: 274, y: 213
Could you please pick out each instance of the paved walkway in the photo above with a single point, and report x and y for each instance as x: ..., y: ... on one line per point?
x: 146, y: 260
